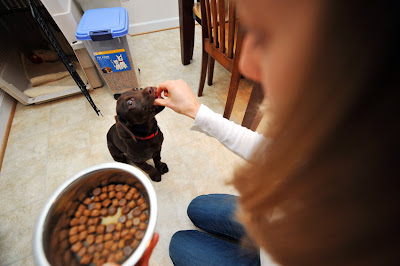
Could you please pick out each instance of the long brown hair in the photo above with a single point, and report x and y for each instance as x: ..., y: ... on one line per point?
x: 325, y: 190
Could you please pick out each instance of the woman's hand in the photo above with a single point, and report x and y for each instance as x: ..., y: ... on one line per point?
x: 180, y: 97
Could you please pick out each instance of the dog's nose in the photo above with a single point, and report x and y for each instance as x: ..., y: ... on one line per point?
x: 150, y: 90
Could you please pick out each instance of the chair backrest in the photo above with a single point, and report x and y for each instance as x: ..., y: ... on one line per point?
x: 214, y: 15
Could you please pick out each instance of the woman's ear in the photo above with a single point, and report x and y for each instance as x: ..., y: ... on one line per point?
x: 122, y: 130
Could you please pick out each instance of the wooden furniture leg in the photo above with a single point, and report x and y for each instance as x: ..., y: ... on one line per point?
x: 186, y: 27
x: 253, y: 115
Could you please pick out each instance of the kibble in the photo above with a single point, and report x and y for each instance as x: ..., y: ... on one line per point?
x: 95, y: 243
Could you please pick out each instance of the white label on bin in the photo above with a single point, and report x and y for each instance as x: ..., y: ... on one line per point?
x: 112, y: 61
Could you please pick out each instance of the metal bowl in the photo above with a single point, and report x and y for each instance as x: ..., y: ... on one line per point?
x: 50, y: 241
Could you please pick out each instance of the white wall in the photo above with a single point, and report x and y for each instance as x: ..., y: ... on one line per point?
x: 151, y: 15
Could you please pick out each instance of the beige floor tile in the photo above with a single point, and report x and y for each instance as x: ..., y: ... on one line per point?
x: 31, y: 123
x: 158, y: 251
x: 172, y: 215
x: 163, y: 260
x: 60, y: 167
x: 23, y: 186
x: 28, y: 261
x: 68, y: 111
x: 104, y: 100
x: 101, y: 154
x: 180, y: 126
x: 22, y: 110
x: 177, y: 176
x: 98, y: 128
x: 69, y: 139
x: 25, y: 152
x: 16, y: 232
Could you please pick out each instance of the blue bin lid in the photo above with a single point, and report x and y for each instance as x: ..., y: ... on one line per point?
x: 103, y: 24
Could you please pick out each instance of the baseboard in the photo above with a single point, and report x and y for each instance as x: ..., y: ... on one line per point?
x: 7, y: 133
x: 154, y: 25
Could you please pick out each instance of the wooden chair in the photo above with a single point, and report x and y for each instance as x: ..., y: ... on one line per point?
x: 222, y: 41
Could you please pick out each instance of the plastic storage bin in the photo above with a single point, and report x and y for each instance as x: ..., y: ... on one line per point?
x: 103, y: 31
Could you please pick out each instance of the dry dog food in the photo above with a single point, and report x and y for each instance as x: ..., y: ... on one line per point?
x: 108, y: 225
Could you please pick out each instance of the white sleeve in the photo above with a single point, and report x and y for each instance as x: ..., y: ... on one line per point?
x: 238, y: 139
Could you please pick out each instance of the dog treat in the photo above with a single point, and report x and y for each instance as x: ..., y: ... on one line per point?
x: 136, y: 221
x: 78, y: 214
x: 136, y: 195
x: 103, y: 196
x: 82, y: 251
x: 136, y: 213
x: 90, y: 239
x: 114, y: 247
x: 132, y: 230
x: 87, y: 201
x: 91, y: 248
x: 107, y: 236
x: 97, y: 191
x: 104, y: 212
x: 125, y: 209
x: 132, y: 204
x: 86, y: 259
x: 122, y: 202
x: 143, y: 206
x: 106, y: 203
x: 115, y: 202
x: 110, y: 228
x: 73, y: 230
x: 91, y: 206
x: 116, y: 239
x: 112, y: 211
x: 83, y: 235
x: 111, y: 194
x: 119, y: 226
x: 76, y: 247
x: 122, y: 219
x: 142, y: 226
x: 73, y: 239
x: 95, y: 213
x: 143, y: 217
x: 117, y: 235
x: 120, y: 195
x: 139, y: 235
x: 140, y: 201
x: 125, y: 188
x: 129, y: 224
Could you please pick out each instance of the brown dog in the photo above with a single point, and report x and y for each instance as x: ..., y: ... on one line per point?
x: 136, y: 137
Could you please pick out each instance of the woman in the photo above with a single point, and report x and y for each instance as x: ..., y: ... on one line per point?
x: 323, y: 190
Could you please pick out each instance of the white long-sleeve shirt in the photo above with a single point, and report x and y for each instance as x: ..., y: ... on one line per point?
x: 238, y: 139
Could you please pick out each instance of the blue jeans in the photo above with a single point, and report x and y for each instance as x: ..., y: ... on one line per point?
x: 221, y: 245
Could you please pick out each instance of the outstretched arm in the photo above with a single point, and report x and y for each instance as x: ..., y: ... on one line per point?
x: 181, y: 99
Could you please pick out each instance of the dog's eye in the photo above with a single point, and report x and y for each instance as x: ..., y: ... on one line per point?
x: 130, y: 102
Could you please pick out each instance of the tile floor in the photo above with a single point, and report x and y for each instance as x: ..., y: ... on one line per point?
x: 50, y: 142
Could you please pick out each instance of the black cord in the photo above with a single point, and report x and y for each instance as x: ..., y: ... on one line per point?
x: 61, y: 54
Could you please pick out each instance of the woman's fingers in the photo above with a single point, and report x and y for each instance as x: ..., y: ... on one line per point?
x: 144, y: 260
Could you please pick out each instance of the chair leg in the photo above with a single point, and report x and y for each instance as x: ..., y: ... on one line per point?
x: 233, y: 88
x: 204, y: 61
x: 211, y: 62
x: 252, y: 116
x: 186, y: 23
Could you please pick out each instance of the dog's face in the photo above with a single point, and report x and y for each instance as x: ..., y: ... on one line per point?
x: 137, y: 106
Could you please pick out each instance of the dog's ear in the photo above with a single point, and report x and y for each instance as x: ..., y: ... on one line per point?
x: 116, y: 96
x: 122, y: 130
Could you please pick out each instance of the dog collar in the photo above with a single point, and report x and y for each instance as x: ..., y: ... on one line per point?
x: 148, y: 137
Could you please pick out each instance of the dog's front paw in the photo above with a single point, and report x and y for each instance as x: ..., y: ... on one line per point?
x: 156, y: 177
x: 163, y: 168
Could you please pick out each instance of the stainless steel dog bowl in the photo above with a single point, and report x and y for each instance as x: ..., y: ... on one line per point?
x: 50, y: 241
